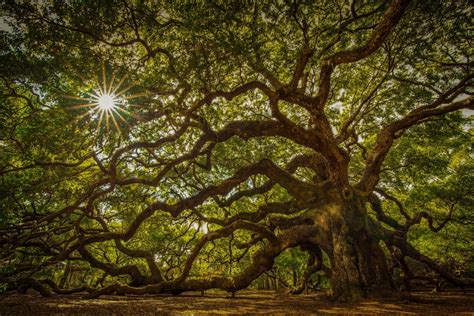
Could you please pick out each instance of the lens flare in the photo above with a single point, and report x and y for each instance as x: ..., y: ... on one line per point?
x: 106, y: 101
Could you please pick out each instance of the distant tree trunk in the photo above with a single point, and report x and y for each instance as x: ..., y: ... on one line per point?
x: 65, y: 276
x: 295, y: 277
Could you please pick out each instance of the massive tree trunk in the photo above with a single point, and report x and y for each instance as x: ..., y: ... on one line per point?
x: 358, y: 263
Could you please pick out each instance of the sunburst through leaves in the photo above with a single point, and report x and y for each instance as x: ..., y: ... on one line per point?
x: 107, y: 102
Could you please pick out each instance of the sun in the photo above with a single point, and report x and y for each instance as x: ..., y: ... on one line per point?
x: 106, y: 101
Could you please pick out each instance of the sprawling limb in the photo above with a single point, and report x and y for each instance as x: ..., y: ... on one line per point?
x: 394, y: 130
x: 380, y: 33
x: 398, y: 238
x: 262, y: 261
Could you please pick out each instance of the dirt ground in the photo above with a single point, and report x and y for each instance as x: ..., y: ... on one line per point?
x: 244, y: 303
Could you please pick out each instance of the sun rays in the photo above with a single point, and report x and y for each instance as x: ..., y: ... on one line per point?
x: 106, y: 103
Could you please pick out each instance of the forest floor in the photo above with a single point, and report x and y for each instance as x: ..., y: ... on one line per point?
x: 244, y: 303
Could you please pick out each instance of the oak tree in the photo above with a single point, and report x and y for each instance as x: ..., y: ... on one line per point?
x: 164, y: 147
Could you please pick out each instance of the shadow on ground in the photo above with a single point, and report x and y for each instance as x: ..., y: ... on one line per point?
x: 245, y: 303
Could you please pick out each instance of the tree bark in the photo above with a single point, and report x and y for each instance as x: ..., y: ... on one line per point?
x: 358, y: 264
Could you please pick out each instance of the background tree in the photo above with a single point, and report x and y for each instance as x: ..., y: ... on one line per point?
x: 230, y: 134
